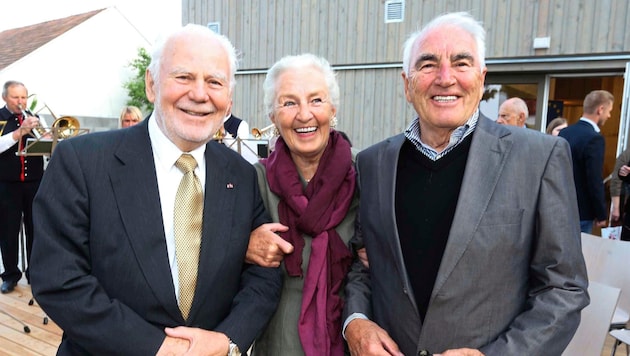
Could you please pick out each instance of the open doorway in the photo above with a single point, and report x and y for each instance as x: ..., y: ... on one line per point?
x: 562, y: 95
x: 568, y: 92
x: 551, y: 96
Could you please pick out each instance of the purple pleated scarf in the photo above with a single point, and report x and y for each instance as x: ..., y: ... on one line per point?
x: 316, y: 211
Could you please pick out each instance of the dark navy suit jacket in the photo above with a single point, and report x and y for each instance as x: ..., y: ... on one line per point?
x: 587, y: 151
x: 100, y: 263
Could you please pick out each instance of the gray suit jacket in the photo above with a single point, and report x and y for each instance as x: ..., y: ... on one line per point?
x: 512, y: 279
x: 100, y: 266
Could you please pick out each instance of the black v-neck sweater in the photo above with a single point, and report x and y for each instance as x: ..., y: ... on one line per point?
x: 426, y: 198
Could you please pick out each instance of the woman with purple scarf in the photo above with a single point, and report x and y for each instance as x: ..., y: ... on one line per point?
x: 308, y: 185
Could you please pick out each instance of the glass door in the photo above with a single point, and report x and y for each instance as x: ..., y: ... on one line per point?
x: 530, y: 88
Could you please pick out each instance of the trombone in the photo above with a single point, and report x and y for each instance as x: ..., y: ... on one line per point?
x: 266, y: 131
x: 46, y: 138
x: 40, y: 129
x: 64, y: 127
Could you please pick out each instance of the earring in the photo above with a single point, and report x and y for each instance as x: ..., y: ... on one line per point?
x: 276, y: 132
x: 333, y: 122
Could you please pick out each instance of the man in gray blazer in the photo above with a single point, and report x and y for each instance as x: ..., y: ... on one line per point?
x: 105, y: 261
x: 470, y: 227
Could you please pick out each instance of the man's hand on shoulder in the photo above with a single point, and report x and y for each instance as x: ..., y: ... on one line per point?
x: 366, y: 338
x: 266, y: 248
x: 362, y: 254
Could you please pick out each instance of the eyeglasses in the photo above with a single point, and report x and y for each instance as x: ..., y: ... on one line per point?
x: 293, y: 106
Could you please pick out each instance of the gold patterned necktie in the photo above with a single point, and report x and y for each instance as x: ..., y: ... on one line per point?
x: 188, y: 219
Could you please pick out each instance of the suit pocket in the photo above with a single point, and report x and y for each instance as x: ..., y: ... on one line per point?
x: 502, y: 217
x: 500, y: 234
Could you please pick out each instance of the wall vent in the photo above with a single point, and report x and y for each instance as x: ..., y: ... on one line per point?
x: 394, y: 11
x: 215, y: 27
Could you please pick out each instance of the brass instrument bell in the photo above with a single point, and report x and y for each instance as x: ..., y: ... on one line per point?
x: 66, y: 127
x: 266, y: 131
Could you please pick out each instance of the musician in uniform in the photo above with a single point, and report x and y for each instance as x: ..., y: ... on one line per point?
x: 19, y: 179
x: 236, y: 127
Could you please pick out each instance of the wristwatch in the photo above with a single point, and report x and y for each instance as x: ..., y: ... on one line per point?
x: 233, y: 350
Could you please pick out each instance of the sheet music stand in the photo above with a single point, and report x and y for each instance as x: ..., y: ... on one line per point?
x: 45, y: 144
x: 24, y: 258
x: 22, y: 249
x: 251, y: 149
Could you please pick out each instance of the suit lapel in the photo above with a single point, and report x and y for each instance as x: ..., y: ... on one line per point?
x: 489, y: 150
x: 386, y: 186
x: 134, y: 184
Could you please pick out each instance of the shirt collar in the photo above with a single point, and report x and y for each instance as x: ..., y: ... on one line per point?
x: 166, y: 152
x: 14, y: 113
x: 459, y: 134
x: 595, y: 127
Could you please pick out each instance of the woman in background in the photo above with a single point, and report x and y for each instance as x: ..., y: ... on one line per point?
x: 556, y: 125
x: 130, y: 116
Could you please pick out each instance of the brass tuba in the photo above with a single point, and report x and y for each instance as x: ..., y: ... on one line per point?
x: 66, y: 127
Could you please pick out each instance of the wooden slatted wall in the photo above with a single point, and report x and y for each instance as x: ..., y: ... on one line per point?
x: 353, y: 33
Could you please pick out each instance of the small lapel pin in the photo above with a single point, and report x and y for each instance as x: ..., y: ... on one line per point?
x: 230, y: 186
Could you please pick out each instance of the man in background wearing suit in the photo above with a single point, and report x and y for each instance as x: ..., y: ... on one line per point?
x: 107, y: 257
x: 467, y: 255
x: 587, y: 150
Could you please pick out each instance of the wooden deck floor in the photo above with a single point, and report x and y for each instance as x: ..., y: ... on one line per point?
x: 44, y: 339
x: 15, y: 314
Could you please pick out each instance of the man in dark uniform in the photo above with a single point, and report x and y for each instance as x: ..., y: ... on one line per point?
x: 236, y: 127
x: 19, y: 180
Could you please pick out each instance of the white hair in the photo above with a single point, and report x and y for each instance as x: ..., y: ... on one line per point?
x: 306, y: 60
x: 462, y: 20
x: 158, y: 49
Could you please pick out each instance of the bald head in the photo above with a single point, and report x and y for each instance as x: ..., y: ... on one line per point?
x: 513, y: 112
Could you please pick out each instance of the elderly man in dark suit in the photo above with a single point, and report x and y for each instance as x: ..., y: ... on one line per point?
x: 467, y: 254
x: 587, y: 151
x: 108, y: 265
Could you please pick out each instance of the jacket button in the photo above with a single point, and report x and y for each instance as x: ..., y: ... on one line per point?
x: 424, y: 353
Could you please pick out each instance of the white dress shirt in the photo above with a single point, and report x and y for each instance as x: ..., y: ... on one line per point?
x: 7, y: 141
x: 165, y: 154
